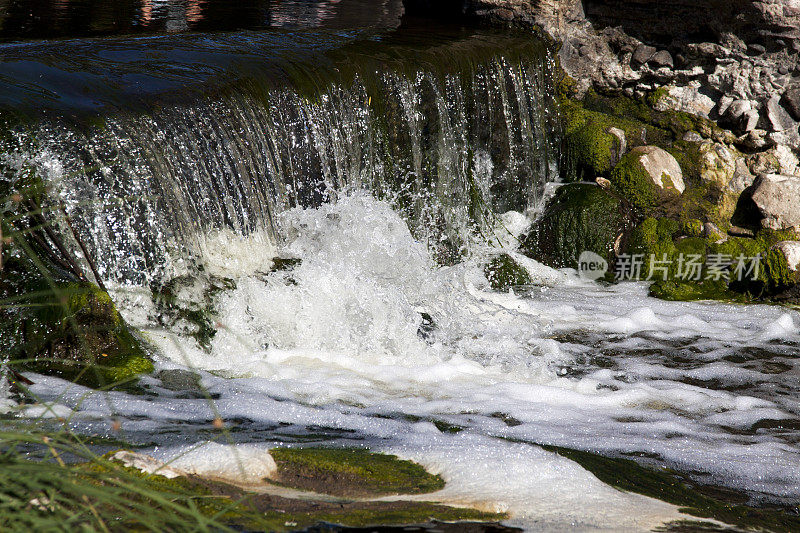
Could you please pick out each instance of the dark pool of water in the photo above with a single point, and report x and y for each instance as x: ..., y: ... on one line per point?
x: 47, y: 19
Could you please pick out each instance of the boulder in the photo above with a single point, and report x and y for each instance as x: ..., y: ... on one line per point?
x: 662, y: 59
x: 737, y: 108
x: 717, y: 164
x: 646, y: 174
x: 778, y: 117
x: 642, y: 55
x: 688, y: 99
x: 748, y: 120
x: 503, y: 273
x: 791, y: 251
x: 791, y: 101
x: 777, y: 198
x: 742, y: 177
x: 580, y: 217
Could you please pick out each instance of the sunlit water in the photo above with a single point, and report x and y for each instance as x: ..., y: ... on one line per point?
x: 332, y: 351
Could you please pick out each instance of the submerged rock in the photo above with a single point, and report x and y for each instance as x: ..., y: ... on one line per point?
x: 503, y: 273
x: 579, y: 218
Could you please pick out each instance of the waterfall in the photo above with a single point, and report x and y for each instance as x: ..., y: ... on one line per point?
x: 450, y: 137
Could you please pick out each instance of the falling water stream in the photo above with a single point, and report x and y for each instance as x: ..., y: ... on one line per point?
x: 326, y: 200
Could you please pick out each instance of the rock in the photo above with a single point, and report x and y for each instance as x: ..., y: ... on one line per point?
x: 712, y: 232
x: 748, y: 120
x: 621, y: 147
x: 756, y: 49
x: 763, y: 163
x: 692, y: 137
x: 737, y: 108
x: 724, y: 103
x: 602, y: 182
x: 645, y: 174
x: 736, y: 231
x: 791, y: 101
x: 662, y: 59
x: 742, y: 177
x: 790, y: 137
x: 754, y: 140
x: 145, y: 463
x: 593, y: 144
x: 787, y: 161
x: 778, y: 116
x: 688, y: 99
x: 777, y: 198
x: 642, y: 55
x: 717, y: 164
x: 791, y: 251
x: 504, y: 273
x: 579, y: 218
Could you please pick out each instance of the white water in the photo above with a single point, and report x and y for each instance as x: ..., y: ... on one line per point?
x: 332, y: 348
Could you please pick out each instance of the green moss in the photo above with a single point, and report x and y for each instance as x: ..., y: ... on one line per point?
x: 590, y: 149
x: 692, y: 228
x: 504, y: 273
x: 409, y: 513
x: 684, y: 291
x: 352, y: 472
x: 633, y: 182
x: 655, y: 96
x: 72, y: 330
x: 580, y: 217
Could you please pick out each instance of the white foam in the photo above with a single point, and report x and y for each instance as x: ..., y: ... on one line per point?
x: 247, y: 464
x: 336, y: 343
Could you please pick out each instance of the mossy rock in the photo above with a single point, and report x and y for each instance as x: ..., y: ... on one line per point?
x: 662, y: 243
x: 580, y: 217
x: 590, y: 149
x: 70, y: 329
x: 636, y: 184
x: 221, y: 504
x: 683, y: 291
x: 504, y: 273
x: 352, y: 472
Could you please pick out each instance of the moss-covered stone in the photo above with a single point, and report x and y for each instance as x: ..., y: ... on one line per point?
x: 685, y: 266
x: 352, y: 472
x: 503, y: 273
x: 74, y: 331
x: 580, y: 217
x: 633, y: 182
x: 590, y: 147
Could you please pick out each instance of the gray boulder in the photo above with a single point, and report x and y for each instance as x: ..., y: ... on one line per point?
x: 791, y: 251
x: 642, y: 55
x: 662, y: 59
x: 791, y: 101
x: 778, y: 116
x: 777, y: 198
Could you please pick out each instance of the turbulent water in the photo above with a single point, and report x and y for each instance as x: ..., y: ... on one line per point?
x: 390, y: 189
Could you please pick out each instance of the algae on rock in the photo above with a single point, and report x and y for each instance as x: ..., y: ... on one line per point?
x: 503, y: 273
x: 580, y: 217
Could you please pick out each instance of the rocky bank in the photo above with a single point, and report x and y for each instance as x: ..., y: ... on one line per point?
x: 688, y: 111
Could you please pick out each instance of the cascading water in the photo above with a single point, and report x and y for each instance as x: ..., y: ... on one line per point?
x: 446, y: 146
x: 330, y: 226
